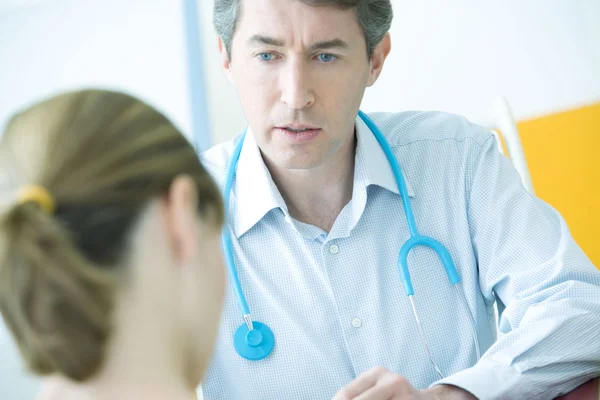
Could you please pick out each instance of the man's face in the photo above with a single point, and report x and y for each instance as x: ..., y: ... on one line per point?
x: 301, y: 72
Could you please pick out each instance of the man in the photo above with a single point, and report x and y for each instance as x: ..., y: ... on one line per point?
x: 317, y: 221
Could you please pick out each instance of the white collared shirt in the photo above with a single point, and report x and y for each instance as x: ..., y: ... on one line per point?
x: 335, y: 300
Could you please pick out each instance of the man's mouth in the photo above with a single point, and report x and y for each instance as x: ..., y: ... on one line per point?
x: 298, y: 128
x: 298, y: 132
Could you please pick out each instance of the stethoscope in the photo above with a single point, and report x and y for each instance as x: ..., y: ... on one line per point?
x: 254, y: 340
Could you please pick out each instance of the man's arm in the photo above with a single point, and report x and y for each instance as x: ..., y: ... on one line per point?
x: 548, y: 290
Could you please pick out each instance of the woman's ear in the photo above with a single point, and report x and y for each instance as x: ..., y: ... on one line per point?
x: 181, y: 216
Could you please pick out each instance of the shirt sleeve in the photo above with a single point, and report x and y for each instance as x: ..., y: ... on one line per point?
x: 548, y: 291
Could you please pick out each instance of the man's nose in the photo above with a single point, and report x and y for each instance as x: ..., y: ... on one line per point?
x: 296, y: 90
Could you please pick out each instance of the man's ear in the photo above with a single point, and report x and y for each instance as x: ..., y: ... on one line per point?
x: 380, y: 53
x: 181, y: 216
x: 225, y: 63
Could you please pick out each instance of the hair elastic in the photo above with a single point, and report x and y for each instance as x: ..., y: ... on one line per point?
x: 39, y: 195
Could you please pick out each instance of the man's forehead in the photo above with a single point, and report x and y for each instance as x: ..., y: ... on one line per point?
x: 284, y: 9
x: 278, y: 25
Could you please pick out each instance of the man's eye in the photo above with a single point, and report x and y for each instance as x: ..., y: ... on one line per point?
x: 326, y: 57
x: 266, y: 56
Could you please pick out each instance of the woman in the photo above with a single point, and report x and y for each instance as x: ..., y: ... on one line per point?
x: 111, y: 276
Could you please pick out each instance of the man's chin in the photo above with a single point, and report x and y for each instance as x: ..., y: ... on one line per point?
x: 298, y: 163
x: 290, y: 158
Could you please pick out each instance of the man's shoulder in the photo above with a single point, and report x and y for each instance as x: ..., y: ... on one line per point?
x: 216, y: 159
x: 408, y: 127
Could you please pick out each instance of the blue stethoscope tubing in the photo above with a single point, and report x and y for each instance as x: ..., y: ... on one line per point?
x: 254, y: 340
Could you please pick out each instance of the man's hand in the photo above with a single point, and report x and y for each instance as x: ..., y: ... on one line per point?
x: 381, y: 384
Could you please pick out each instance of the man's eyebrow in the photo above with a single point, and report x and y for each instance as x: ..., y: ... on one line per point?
x: 266, y: 40
x: 328, y: 44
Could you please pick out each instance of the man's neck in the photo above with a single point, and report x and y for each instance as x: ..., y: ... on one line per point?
x: 318, y: 195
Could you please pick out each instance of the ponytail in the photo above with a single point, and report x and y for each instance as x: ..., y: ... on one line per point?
x: 54, y: 302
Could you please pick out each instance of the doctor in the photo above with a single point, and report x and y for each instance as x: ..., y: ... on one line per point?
x: 317, y: 220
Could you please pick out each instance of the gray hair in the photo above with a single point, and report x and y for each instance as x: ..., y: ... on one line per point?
x: 375, y: 17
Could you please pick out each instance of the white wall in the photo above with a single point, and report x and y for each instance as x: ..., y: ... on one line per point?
x: 543, y: 55
x: 133, y: 45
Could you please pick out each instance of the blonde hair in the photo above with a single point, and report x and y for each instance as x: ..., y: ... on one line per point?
x: 102, y: 156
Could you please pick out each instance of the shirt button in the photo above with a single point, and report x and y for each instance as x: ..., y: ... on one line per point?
x: 357, y: 323
x: 334, y: 249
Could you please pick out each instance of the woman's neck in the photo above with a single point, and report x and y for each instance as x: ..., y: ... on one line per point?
x: 147, y: 356
x: 139, y: 365
x: 142, y: 365
x: 60, y: 389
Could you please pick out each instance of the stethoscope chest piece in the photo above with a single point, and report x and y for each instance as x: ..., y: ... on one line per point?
x: 254, y: 344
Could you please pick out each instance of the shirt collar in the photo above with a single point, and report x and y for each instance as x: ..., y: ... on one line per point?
x: 372, y: 158
x: 255, y: 193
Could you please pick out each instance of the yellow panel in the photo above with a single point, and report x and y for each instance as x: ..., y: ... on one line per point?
x: 563, y: 156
